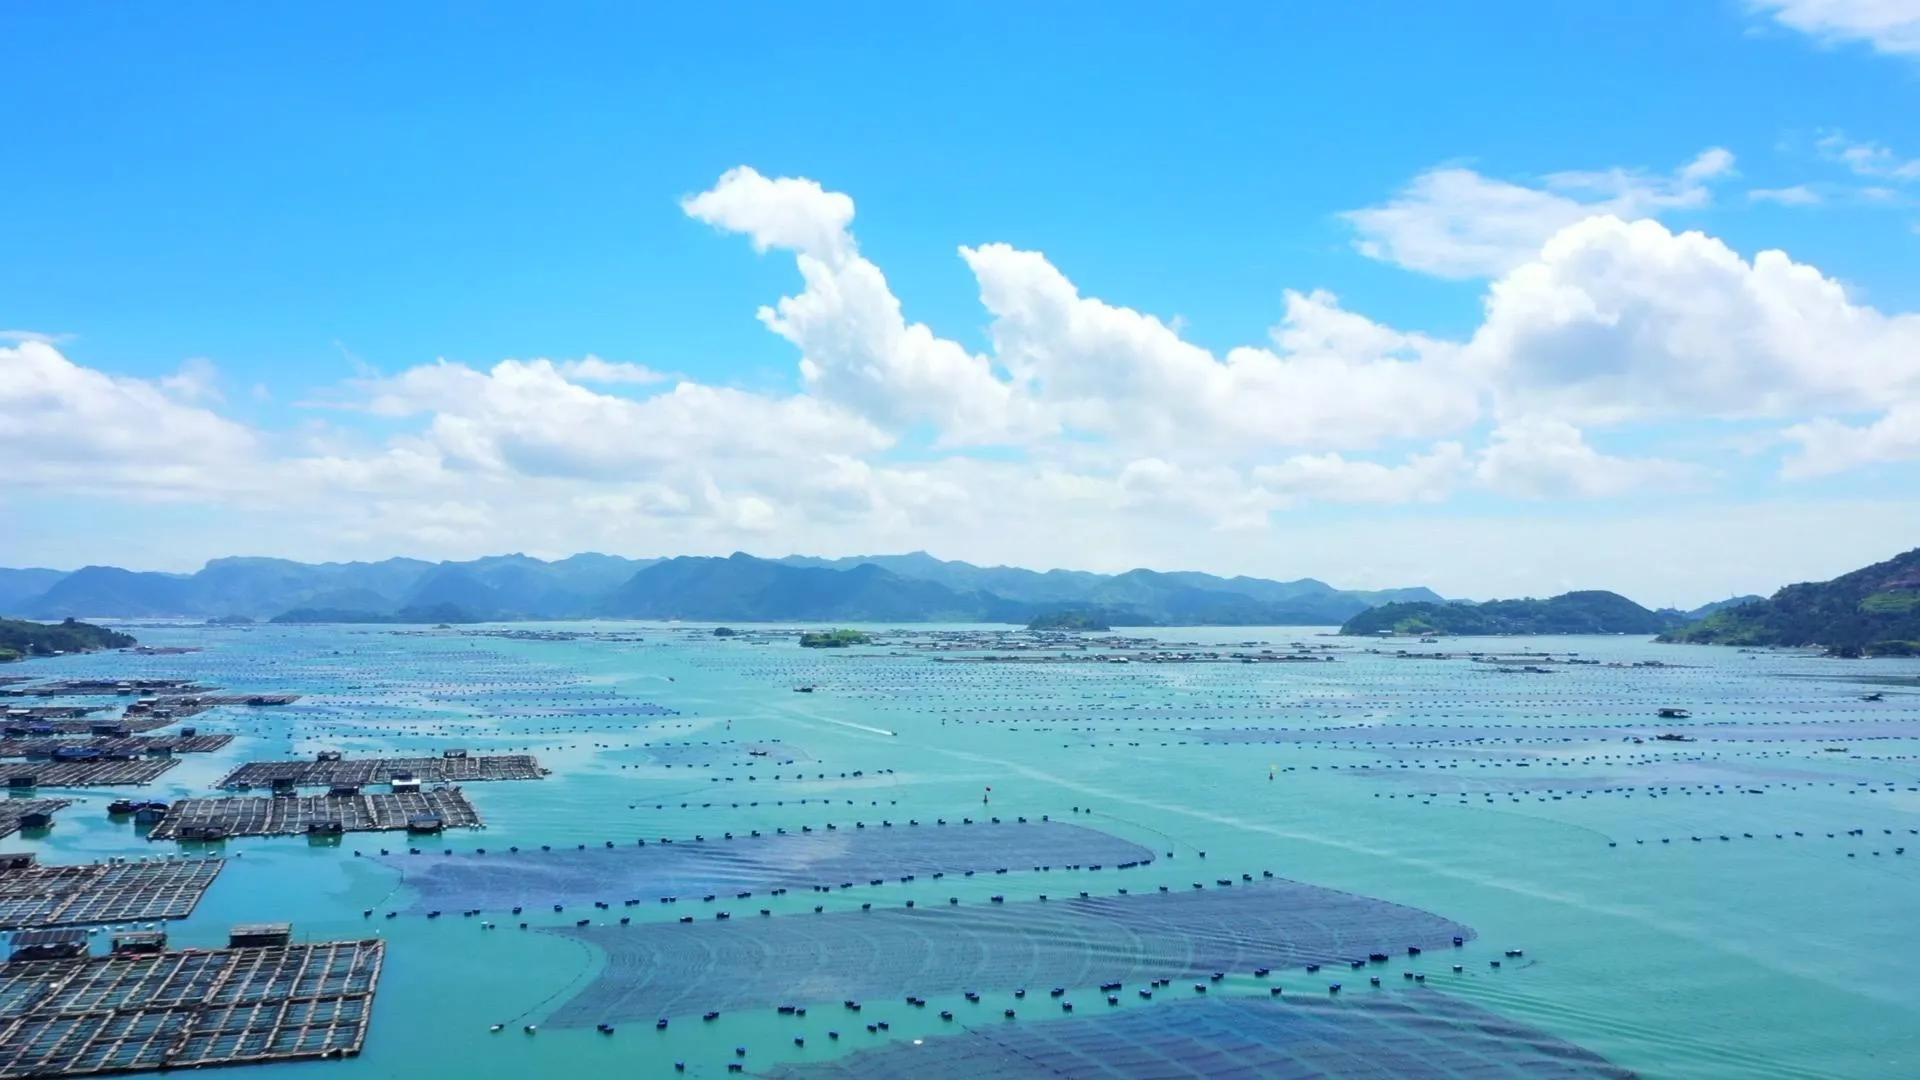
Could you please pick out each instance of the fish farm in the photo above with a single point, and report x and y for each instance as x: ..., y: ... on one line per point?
x: 449, y: 768
x: 135, y: 1010
x: 88, y: 772
x: 961, y: 851
x: 33, y: 895
x: 17, y: 814
x: 107, y: 747
x: 220, y: 819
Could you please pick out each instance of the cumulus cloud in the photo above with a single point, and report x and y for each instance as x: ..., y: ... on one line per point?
x: 1538, y: 458
x: 1336, y: 379
x: 1453, y: 222
x: 65, y: 424
x: 1617, y: 321
x: 1889, y: 26
x: 856, y: 346
x: 1108, y: 424
x: 1826, y: 446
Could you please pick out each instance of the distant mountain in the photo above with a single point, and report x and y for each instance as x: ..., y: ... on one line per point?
x: 426, y: 613
x: 915, y: 587
x: 1705, y: 610
x: 20, y: 586
x: 508, y: 586
x: 1142, y: 597
x: 1872, y: 611
x: 1592, y: 612
x: 747, y: 589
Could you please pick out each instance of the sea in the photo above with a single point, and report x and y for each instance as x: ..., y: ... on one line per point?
x: 1736, y: 899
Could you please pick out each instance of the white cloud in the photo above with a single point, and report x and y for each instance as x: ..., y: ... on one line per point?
x: 1453, y: 222
x: 790, y: 214
x: 1890, y: 26
x: 1537, y: 458
x: 1616, y: 321
x: 1868, y: 158
x: 1338, y: 379
x: 1827, y: 446
x: 65, y: 424
x: 592, y: 369
x: 1797, y: 195
x: 855, y: 345
x: 1120, y: 441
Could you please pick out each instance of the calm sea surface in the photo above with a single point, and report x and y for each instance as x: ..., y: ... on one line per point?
x: 1739, y: 905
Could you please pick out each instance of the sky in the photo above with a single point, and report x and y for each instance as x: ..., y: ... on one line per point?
x: 1503, y: 299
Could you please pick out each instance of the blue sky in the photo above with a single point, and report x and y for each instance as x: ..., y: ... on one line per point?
x: 263, y: 227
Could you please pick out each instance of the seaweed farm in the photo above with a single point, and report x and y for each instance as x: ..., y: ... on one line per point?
x: 957, y: 851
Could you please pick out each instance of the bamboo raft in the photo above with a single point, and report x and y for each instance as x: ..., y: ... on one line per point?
x: 34, y: 896
x: 221, y: 818
x: 133, y: 1012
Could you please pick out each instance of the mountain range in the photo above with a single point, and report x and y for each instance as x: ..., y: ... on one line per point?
x: 914, y: 587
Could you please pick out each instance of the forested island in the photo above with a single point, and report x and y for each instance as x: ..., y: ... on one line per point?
x: 1874, y: 611
x: 1587, y: 612
x: 429, y: 613
x: 20, y: 638
x: 834, y: 639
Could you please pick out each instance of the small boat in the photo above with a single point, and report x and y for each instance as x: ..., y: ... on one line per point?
x: 1874, y: 696
x: 1672, y: 713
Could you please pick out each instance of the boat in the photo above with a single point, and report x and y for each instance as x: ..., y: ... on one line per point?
x: 1671, y: 713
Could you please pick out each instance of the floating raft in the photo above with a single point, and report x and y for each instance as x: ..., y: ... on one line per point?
x: 133, y: 723
x: 33, y: 896
x: 12, y: 811
x: 98, y: 773
x: 134, y: 1012
x: 218, y: 819
x: 112, y: 747
x: 358, y: 771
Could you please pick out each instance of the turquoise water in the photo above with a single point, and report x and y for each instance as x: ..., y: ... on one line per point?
x: 1514, y: 802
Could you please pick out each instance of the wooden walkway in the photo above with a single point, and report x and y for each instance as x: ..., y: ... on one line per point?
x: 37, y: 896
x: 218, y: 819
x: 362, y: 771
x: 127, y: 1013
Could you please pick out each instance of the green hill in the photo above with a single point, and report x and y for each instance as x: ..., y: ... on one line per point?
x: 19, y: 638
x: 1873, y: 611
x: 1588, y: 612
